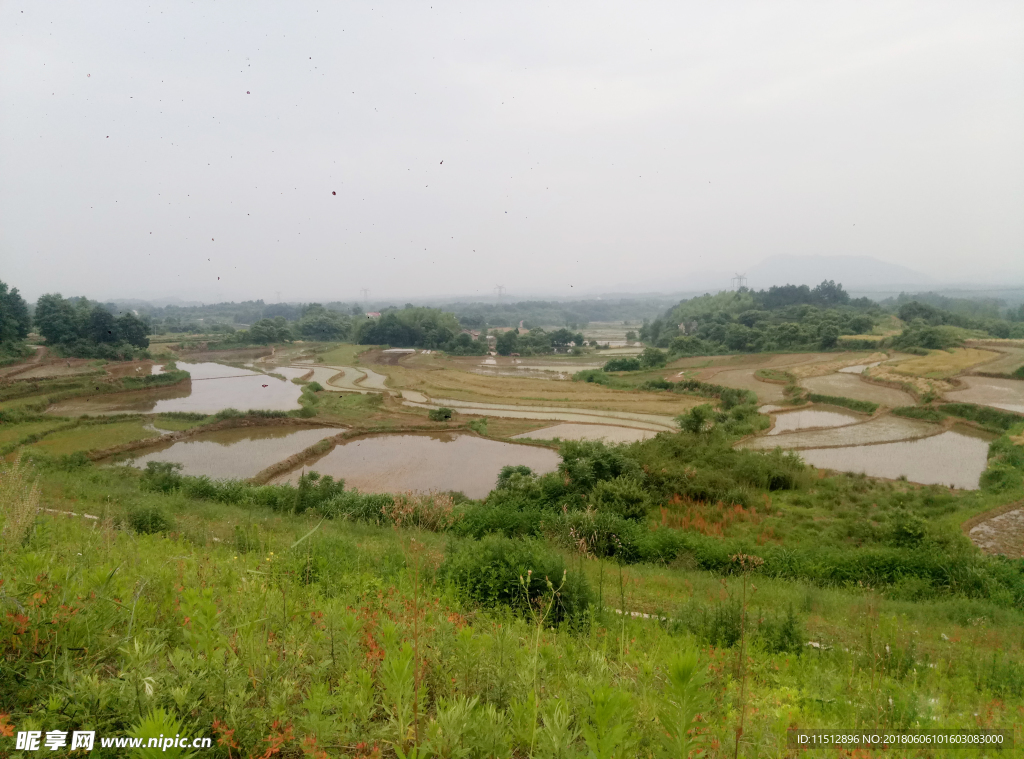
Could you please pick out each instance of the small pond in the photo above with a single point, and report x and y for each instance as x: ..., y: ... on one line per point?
x: 811, y: 418
x: 955, y: 458
x: 213, y: 388
x: 440, y: 461
x: 237, y: 453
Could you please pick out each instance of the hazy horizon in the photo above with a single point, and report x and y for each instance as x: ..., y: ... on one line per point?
x: 148, y: 151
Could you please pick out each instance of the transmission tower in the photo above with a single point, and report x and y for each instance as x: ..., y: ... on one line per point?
x: 366, y: 294
x: 740, y: 280
x: 500, y: 290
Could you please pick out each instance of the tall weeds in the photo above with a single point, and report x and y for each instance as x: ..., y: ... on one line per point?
x: 19, y: 502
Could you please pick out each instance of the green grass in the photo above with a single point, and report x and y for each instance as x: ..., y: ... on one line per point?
x: 866, y: 407
x: 93, y: 437
x: 343, y: 354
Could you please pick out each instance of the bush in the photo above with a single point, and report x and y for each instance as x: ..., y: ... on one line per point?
x: 622, y: 365
x: 147, y: 519
x: 623, y: 496
x: 442, y: 414
x: 499, y: 571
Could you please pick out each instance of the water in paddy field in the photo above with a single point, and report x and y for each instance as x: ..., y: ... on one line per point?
x: 883, y: 429
x: 1006, y: 394
x: 829, y: 416
x: 858, y: 368
x: 213, y: 388
x: 955, y: 458
x: 237, y: 453
x: 606, y: 432
x: 852, y: 386
x: 445, y: 461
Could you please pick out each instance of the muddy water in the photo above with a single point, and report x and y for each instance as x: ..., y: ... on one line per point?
x: 826, y: 416
x: 1004, y: 394
x: 233, y: 454
x: 606, y: 432
x: 214, y: 387
x: 955, y: 458
x: 400, y: 463
x: 881, y: 430
x: 851, y: 386
x: 744, y: 379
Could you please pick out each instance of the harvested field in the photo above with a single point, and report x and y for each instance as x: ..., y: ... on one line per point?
x: 1009, y: 361
x: 851, y: 386
x: 44, y: 371
x: 466, y: 387
x: 943, y: 364
x: 744, y: 379
x: 1006, y: 394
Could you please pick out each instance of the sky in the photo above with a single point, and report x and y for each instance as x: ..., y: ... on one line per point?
x: 304, y: 151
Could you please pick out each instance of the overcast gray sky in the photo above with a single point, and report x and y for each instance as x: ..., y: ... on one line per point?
x: 147, y: 149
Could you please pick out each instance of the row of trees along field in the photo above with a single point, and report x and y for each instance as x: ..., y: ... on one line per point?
x: 792, y: 317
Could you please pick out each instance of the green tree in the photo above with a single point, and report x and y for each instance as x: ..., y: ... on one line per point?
x: 56, y: 319
x: 652, y: 358
x: 133, y: 330
x: 102, y: 326
x: 507, y: 342
x: 14, y: 319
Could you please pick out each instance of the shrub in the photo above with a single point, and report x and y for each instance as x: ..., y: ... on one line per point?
x: 315, y: 387
x: 622, y: 365
x: 499, y: 571
x: 147, y: 519
x: 442, y: 414
x: 623, y: 496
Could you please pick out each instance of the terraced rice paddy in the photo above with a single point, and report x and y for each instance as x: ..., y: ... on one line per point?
x: 851, y: 386
x: 1009, y: 361
x: 1003, y: 534
x: 811, y: 418
x: 95, y: 437
x: 999, y: 393
x: 213, y: 387
x: 604, y: 432
x: 403, y: 463
x: 652, y: 422
x: 880, y: 430
x: 236, y: 453
x: 943, y: 364
x: 745, y: 380
x: 954, y: 458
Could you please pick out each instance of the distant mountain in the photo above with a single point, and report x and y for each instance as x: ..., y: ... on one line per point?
x: 855, y: 273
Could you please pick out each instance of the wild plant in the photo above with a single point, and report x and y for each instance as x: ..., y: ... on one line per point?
x: 540, y: 607
x: 559, y: 733
x: 682, y: 706
x: 746, y: 564
x: 19, y: 502
x: 607, y: 731
x: 398, y: 677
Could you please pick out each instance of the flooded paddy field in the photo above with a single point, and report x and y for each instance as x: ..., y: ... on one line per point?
x: 851, y: 386
x: 811, y: 418
x: 1003, y: 534
x: 605, y: 432
x: 880, y: 430
x: 956, y: 458
x: 653, y: 422
x: 1006, y: 394
x: 440, y: 461
x: 213, y: 387
x: 237, y: 453
x: 744, y: 379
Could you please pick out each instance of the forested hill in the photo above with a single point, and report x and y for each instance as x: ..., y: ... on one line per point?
x: 791, y: 317
x: 787, y: 317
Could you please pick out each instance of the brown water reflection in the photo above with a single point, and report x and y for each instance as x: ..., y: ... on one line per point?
x: 811, y: 418
x: 954, y: 458
x: 398, y: 463
x: 233, y: 454
x: 213, y: 388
